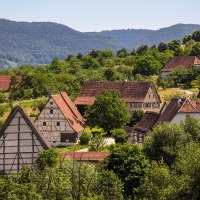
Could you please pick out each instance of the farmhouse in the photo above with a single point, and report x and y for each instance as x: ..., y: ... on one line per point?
x: 175, y: 112
x: 20, y: 142
x: 59, y: 121
x: 137, y: 95
x: 184, y: 61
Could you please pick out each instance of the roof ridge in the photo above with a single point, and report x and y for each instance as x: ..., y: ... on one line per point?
x: 76, y: 113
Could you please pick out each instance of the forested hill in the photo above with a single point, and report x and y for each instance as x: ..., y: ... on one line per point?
x: 38, y: 42
x: 132, y: 38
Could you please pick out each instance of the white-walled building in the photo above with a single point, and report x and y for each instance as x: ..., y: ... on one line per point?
x: 60, y: 122
x: 20, y: 142
x: 174, y: 112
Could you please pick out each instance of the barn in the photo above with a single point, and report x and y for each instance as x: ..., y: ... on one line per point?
x: 20, y: 142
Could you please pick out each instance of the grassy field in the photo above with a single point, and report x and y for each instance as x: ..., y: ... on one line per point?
x: 26, y: 104
x: 170, y: 91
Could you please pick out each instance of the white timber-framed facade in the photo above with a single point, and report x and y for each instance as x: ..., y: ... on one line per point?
x: 60, y: 122
x: 20, y: 142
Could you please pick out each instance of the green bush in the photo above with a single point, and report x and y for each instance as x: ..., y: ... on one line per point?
x: 119, y: 135
x: 2, y: 98
x: 47, y: 158
x: 85, y: 138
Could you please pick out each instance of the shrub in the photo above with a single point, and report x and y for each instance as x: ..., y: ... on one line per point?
x: 85, y: 138
x: 119, y: 135
x: 47, y: 158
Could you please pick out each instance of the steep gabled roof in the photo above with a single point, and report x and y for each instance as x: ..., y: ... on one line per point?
x: 188, y: 107
x: 70, y: 113
x: 176, y: 106
x: 85, y: 156
x: 185, y: 61
x: 72, y: 107
x: 130, y: 91
x: 179, y: 105
x: 170, y: 111
x: 35, y: 131
x: 5, y: 81
x: 147, y: 122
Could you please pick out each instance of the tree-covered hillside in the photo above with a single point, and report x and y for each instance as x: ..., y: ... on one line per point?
x: 38, y: 42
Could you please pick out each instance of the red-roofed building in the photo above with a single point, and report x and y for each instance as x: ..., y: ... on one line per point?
x: 185, y: 61
x: 60, y: 122
x: 85, y: 156
x: 137, y: 95
x: 174, y: 112
x: 5, y: 81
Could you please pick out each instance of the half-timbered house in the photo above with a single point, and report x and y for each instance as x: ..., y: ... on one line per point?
x: 60, y: 122
x: 137, y: 95
x: 20, y: 142
x: 174, y: 112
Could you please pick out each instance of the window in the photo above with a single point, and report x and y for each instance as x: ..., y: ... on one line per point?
x: 51, y: 104
x: 44, y: 123
x: 51, y: 111
x: 58, y: 123
x: 149, y: 96
x: 147, y: 105
x: 69, y: 137
x: 154, y: 96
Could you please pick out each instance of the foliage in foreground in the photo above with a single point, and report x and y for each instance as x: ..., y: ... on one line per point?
x: 109, y: 111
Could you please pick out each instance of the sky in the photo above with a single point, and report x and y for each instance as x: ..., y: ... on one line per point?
x: 98, y: 15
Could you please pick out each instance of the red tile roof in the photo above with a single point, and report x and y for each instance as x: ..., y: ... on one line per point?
x: 69, y: 111
x: 85, y: 156
x: 188, y: 107
x: 185, y: 61
x: 5, y: 81
x: 130, y: 91
x: 147, y: 122
x: 72, y: 107
x: 181, y: 105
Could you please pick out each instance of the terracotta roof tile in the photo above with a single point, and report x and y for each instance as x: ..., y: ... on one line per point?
x: 5, y: 81
x: 72, y: 107
x: 147, y: 122
x: 188, y: 107
x: 130, y: 91
x: 68, y: 111
x: 170, y: 111
x: 185, y: 61
x: 85, y: 156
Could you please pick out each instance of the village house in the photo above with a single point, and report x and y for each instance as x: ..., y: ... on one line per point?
x: 60, y: 122
x: 20, y: 142
x: 137, y: 95
x: 174, y: 112
x: 185, y: 61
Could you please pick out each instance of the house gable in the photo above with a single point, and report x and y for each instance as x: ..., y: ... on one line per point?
x: 20, y: 142
x: 59, y: 122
